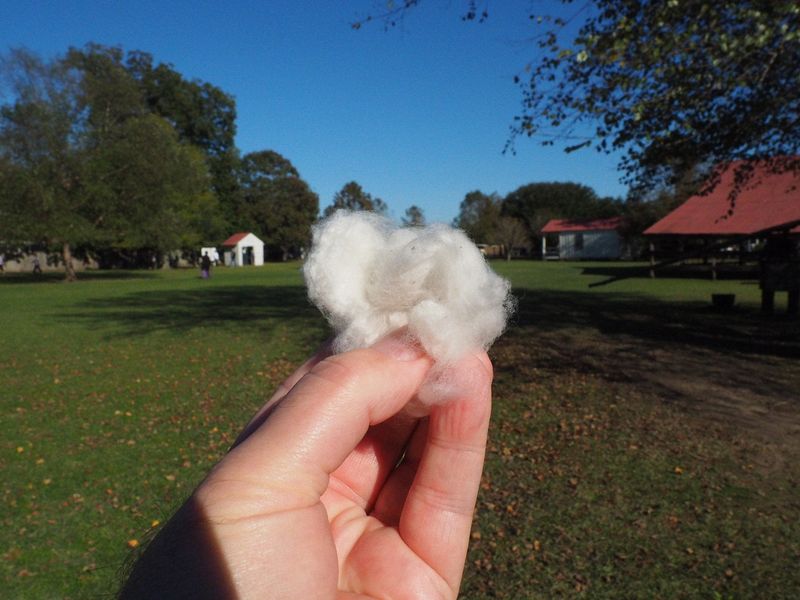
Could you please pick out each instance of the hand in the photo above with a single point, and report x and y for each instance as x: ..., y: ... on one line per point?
x: 334, y: 490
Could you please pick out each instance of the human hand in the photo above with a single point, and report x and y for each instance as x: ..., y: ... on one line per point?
x: 334, y: 490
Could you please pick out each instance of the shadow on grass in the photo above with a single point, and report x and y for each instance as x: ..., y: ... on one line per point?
x: 734, y: 367
x: 660, y: 323
x: 142, y: 313
x: 725, y: 271
x: 58, y: 277
x: 639, y: 319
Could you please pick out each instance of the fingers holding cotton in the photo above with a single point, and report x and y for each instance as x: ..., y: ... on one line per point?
x: 369, y: 278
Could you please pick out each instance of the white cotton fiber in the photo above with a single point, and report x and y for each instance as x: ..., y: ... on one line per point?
x: 370, y: 277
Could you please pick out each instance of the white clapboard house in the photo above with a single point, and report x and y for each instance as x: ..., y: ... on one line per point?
x: 572, y: 239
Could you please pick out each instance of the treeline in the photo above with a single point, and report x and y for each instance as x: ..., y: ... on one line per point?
x: 109, y: 154
x: 514, y: 222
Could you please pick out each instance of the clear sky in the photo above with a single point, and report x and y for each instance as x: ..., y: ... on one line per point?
x: 418, y: 114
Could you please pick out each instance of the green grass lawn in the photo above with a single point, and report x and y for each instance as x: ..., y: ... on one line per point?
x: 642, y: 445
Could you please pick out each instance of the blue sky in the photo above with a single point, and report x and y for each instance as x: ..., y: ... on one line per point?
x: 418, y: 114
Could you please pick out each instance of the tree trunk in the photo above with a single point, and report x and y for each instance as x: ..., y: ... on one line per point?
x: 69, y: 269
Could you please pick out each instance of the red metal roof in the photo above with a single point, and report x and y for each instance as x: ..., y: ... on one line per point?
x: 563, y: 225
x: 766, y: 201
x: 235, y: 239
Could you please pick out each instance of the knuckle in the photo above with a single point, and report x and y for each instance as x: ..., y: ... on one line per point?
x: 440, y: 500
x: 336, y: 372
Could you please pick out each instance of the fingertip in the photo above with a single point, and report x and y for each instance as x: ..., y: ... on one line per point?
x: 481, y: 366
x: 382, y: 377
x: 486, y: 362
x: 470, y: 378
x: 401, y: 346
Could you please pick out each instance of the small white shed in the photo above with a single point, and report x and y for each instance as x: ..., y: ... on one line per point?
x: 582, y: 239
x: 242, y: 249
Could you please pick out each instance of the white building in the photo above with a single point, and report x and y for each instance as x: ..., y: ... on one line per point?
x: 243, y: 249
x: 569, y: 239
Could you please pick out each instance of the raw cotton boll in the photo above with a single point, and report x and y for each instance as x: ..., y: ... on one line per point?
x: 369, y: 278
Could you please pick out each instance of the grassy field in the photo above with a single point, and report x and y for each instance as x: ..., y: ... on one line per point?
x: 643, y: 445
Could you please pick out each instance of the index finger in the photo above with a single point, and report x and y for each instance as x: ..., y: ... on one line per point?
x: 326, y: 414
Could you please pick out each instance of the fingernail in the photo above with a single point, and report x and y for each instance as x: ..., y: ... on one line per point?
x: 399, y: 346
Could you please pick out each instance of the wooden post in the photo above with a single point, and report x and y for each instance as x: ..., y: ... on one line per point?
x: 793, y: 306
x: 767, y: 301
x: 652, y: 260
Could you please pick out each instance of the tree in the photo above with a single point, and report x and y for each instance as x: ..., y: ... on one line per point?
x: 86, y: 163
x: 277, y: 202
x: 266, y: 167
x: 353, y: 197
x: 43, y: 150
x: 642, y: 212
x: 414, y: 217
x: 202, y: 114
x: 511, y: 233
x: 478, y: 216
x: 639, y: 215
x: 150, y: 192
x: 675, y: 85
x: 671, y: 84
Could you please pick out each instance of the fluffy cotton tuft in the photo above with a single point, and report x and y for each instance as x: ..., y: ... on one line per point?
x: 370, y: 277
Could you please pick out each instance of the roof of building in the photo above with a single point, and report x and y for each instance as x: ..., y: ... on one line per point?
x: 765, y: 202
x: 236, y: 238
x: 565, y: 225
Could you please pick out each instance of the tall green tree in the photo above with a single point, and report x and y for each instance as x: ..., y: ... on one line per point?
x: 43, y: 148
x: 353, y: 197
x: 152, y: 191
x: 88, y: 164
x: 153, y: 179
x: 202, y: 114
x: 277, y: 203
x: 479, y: 216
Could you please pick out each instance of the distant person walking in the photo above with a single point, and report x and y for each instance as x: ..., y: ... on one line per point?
x: 205, y: 266
x: 3, y: 264
x: 37, y: 267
